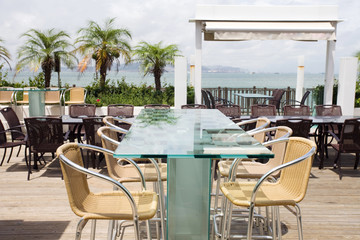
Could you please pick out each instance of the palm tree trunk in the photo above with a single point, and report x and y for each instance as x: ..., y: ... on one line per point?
x: 47, y: 74
x: 157, y: 76
x: 103, y: 71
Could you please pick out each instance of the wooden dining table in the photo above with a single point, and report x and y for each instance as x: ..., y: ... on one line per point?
x: 188, y: 139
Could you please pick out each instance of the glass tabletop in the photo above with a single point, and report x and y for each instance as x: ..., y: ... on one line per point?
x: 184, y: 133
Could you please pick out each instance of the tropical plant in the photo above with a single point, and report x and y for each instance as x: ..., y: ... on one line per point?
x: 4, y: 54
x: 154, y: 58
x: 42, y: 48
x: 104, y: 45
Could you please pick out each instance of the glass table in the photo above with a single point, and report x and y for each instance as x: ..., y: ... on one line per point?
x: 254, y: 96
x: 188, y: 139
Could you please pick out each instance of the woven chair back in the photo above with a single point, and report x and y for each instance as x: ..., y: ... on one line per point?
x: 91, y: 125
x: 277, y: 96
x: 194, y: 106
x: 279, y: 148
x: 300, y: 127
x: 206, y: 99
x: 13, y: 122
x: 328, y: 110
x: 295, y: 178
x: 258, y: 110
x: 6, y: 96
x: 350, y: 136
x: 230, y: 110
x: 52, y: 97
x: 157, y: 106
x: 259, y: 123
x: 123, y: 110
x: 77, y: 110
x: 77, y: 94
x: 296, y: 110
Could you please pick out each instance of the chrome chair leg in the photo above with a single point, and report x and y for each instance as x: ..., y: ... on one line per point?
x: 299, y: 221
x: 278, y: 223
x: 93, y: 229
x: 81, y: 224
x: 148, y: 230
x: 111, y: 229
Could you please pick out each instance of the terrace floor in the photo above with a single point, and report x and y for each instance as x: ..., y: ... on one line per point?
x: 39, y: 209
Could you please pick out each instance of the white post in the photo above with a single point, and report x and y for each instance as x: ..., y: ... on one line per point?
x: 192, y: 70
x: 347, y: 84
x: 198, y: 50
x: 180, y: 81
x: 329, y: 72
x: 300, y: 79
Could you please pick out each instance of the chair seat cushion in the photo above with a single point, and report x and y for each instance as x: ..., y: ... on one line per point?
x: 269, y: 194
x: 115, y: 205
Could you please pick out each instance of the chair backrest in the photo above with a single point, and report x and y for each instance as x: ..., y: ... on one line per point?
x: 261, y: 123
x: 52, y: 97
x: 75, y: 182
x: 206, y: 99
x: 157, y: 106
x: 304, y: 97
x: 91, y: 126
x: 258, y: 110
x: 301, y: 127
x: 350, y: 136
x: 76, y: 110
x: 13, y: 122
x: 77, y: 94
x: 6, y: 96
x: 295, y: 178
x: 111, y: 162
x: 277, y: 96
x: 328, y: 110
x: 296, y: 110
x: 211, y: 98
x: 123, y: 110
x: 45, y: 134
x: 3, y: 138
x: 194, y: 106
x: 230, y: 110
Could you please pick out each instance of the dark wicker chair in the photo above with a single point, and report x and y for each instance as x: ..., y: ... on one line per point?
x: 215, y: 100
x: 277, y: 96
x: 13, y: 121
x: 301, y: 102
x: 349, y: 141
x: 120, y: 110
x: 5, y: 144
x: 296, y: 110
x: 301, y: 127
x: 45, y: 135
x: 206, y: 99
x: 79, y: 110
x: 91, y: 125
x: 259, y: 110
x: 157, y: 106
x: 230, y: 110
x: 194, y: 106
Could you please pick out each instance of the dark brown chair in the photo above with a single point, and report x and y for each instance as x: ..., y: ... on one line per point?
x: 45, y: 135
x: 194, y: 106
x: 328, y: 110
x: 120, y: 110
x: 79, y: 110
x: 349, y: 141
x: 206, y: 99
x: 230, y: 110
x: 5, y: 144
x: 277, y: 96
x: 296, y: 110
x: 214, y: 101
x: 259, y: 110
x: 157, y: 106
x: 301, y: 127
x: 91, y: 125
x: 301, y: 102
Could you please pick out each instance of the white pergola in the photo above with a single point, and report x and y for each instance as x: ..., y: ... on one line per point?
x: 245, y: 22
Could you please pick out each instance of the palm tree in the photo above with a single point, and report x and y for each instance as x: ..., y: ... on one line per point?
x: 41, y: 49
x: 4, y: 54
x: 154, y: 58
x: 104, y: 45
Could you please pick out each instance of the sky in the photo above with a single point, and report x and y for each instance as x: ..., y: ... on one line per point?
x: 168, y: 21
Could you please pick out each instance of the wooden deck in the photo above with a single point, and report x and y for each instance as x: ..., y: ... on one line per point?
x: 39, y: 209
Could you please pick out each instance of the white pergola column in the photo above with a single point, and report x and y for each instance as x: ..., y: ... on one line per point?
x: 198, y: 53
x: 180, y: 81
x: 347, y: 84
x: 329, y: 72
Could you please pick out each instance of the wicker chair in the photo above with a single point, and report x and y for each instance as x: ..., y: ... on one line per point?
x: 301, y: 127
x: 277, y: 96
x: 259, y: 110
x: 230, y: 110
x: 301, y: 102
x: 157, y: 106
x: 194, y: 106
x: 153, y: 171
x: 77, y: 95
x: 296, y: 110
x: 117, y: 123
x: 15, y: 128
x: 260, y: 123
x: 52, y: 97
x: 205, y: 98
x: 120, y: 110
x: 115, y: 205
x: 6, y: 97
x: 328, y: 110
x: 349, y: 142
x: 4, y: 144
x: 91, y: 125
x: 44, y: 135
x: 288, y: 191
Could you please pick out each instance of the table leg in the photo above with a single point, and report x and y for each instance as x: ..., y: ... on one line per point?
x: 188, y: 199
x: 321, y: 139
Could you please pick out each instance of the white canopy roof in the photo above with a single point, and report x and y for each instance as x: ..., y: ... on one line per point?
x: 253, y: 22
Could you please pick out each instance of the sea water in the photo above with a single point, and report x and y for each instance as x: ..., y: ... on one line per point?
x: 209, y: 79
